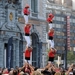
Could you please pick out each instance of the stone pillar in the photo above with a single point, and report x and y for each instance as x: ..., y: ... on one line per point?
x: 1, y: 53
x: 14, y: 54
x: 17, y: 52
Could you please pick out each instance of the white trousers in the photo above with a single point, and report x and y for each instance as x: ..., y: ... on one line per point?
x: 26, y: 19
x: 28, y: 61
x: 51, y: 43
x: 28, y: 40
x: 50, y: 25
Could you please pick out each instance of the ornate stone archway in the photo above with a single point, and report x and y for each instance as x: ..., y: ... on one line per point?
x: 36, y: 54
x: 37, y: 47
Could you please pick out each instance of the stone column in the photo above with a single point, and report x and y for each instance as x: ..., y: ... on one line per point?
x: 17, y: 52
x: 1, y: 53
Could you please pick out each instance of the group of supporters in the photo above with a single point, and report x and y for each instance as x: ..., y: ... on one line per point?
x: 49, y: 69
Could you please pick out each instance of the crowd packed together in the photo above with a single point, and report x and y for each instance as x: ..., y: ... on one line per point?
x: 49, y: 69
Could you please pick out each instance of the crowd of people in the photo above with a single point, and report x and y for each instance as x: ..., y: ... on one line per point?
x: 49, y: 69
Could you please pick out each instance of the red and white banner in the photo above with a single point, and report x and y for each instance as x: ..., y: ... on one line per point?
x: 68, y: 32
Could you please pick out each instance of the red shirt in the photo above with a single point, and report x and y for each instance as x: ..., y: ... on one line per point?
x: 27, y: 29
x: 26, y: 11
x: 28, y: 53
x: 18, y: 73
x: 6, y: 72
x: 49, y: 20
x: 51, y: 53
x: 51, y: 34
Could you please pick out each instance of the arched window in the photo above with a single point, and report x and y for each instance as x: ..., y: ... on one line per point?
x: 36, y: 54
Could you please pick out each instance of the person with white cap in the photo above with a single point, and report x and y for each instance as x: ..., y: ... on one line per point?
x: 26, y: 13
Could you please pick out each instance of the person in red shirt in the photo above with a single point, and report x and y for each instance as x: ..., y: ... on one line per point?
x: 50, y: 20
x: 27, y: 54
x: 50, y: 38
x: 26, y: 13
x: 27, y: 29
x: 51, y: 54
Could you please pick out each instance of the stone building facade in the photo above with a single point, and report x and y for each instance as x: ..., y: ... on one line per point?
x: 11, y: 36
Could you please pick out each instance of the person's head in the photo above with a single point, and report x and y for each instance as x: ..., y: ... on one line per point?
x: 27, y: 6
x: 11, y: 72
x: 58, y: 73
x: 35, y: 68
x: 30, y: 48
x: 36, y: 73
x: 21, y: 73
x: 5, y: 71
x: 26, y: 74
x: 27, y: 25
x: 51, y: 49
x: 15, y: 71
x: 51, y: 30
x: 51, y: 15
x: 19, y: 69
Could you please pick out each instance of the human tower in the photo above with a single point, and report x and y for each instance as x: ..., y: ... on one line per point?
x: 52, y: 50
x: 27, y: 29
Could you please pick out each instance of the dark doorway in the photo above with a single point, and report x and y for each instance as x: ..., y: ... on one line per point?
x: 9, y: 53
x: 36, y: 50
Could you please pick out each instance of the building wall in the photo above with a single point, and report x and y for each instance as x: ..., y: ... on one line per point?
x: 66, y: 3
x: 9, y: 27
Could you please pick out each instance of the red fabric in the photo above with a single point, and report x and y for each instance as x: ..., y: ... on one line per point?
x: 6, y: 72
x: 18, y: 73
x: 49, y: 20
x: 26, y: 11
x: 27, y: 29
x: 28, y: 53
x: 51, y: 53
x: 57, y: 70
x: 51, y: 34
x: 51, y: 16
